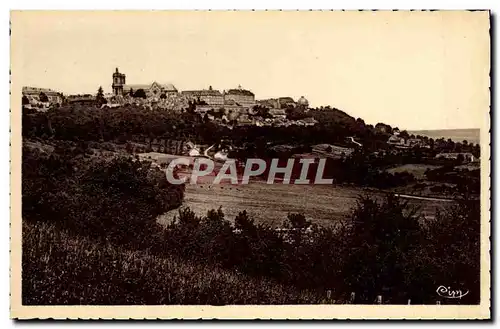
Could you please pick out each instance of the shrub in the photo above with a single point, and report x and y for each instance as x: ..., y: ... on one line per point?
x: 381, y: 239
x: 452, y: 250
x: 117, y: 200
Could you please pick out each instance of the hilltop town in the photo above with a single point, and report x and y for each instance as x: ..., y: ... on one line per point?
x: 237, y: 105
x: 94, y: 167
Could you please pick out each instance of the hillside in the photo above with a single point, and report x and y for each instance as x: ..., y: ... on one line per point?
x: 63, y: 269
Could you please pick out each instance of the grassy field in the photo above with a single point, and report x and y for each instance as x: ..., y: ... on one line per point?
x: 272, y: 203
x: 63, y: 269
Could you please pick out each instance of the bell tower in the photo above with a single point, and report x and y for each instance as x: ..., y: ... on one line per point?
x: 118, y: 82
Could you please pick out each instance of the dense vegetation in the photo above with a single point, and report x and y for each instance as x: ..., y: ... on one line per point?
x: 94, y: 196
x: 367, y: 166
x: 466, y: 181
x: 90, y: 236
x: 123, y: 123
x: 60, y: 268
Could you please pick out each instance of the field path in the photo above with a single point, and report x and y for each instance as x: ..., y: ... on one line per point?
x: 416, y: 197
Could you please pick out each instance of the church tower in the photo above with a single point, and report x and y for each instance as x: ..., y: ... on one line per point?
x: 118, y: 82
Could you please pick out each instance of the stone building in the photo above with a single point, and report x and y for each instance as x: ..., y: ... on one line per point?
x: 277, y: 103
x: 269, y: 103
x: 42, y: 95
x: 240, y: 96
x: 396, y: 140
x: 285, y: 102
x: 85, y: 99
x: 277, y: 113
x: 211, y: 96
x: 467, y: 157
x: 154, y: 90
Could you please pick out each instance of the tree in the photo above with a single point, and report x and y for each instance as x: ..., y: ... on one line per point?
x: 261, y: 111
x: 100, y: 96
x: 25, y: 100
x: 476, y: 151
x: 140, y: 93
x: 431, y: 142
x: 43, y: 97
x: 404, y: 134
x: 382, y: 237
x: 456, y: 233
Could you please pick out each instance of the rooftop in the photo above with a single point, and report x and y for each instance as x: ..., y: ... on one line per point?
x: 166, y: 86
x: 74, y: 98
x: 203, y: 92
x: 240, y: 91
x: 286, y: 99
x: 38, y: 90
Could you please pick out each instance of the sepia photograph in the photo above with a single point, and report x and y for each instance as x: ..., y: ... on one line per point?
x: 250, y: 164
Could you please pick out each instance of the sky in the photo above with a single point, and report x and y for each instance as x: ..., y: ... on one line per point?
x: 414, y: 70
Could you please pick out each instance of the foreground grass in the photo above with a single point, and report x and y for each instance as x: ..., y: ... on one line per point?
x: 62, y: 269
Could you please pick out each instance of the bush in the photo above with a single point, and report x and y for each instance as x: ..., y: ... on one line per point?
x: 385, y: 250
x: 381, y: 239
x: 117, y: 200
x: 452, y: 250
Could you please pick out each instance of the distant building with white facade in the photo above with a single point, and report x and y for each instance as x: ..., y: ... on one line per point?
x: 210, y: 96
x: 303, y: 102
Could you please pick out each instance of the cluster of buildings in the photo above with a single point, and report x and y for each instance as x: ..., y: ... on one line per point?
x: 400, y: 142
x: 40, y: 97
x: 236, y: 104
x: 44, y: 98
x: 233, y: 106
x: 234, y: 100
x: 283, y: 103
x: 209, y: 97
x: 155, y: 92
